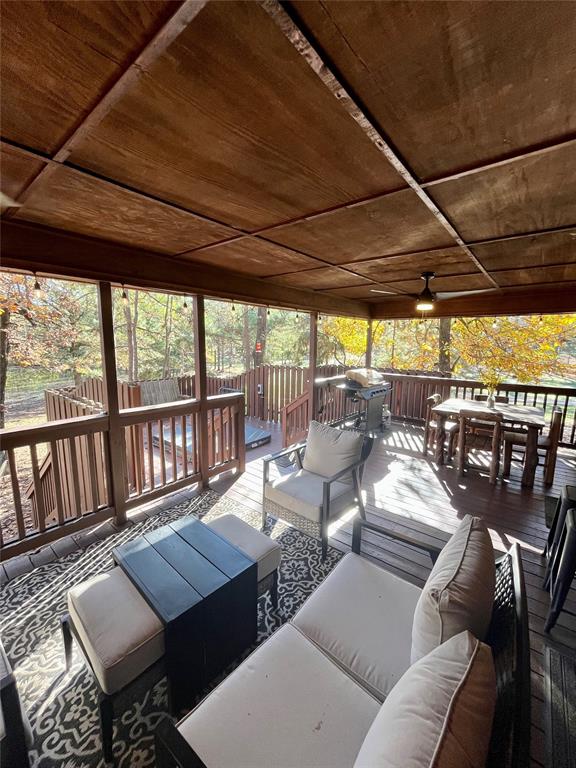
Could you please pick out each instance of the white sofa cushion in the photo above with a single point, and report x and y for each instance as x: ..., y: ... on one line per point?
x: 287, y: 705
x: 459, y: 592
x: 329, y: 450
x: 361, y: 615
x: 255, y: 544
x: 121, y: 634
x: 439, y: 714
x: 302, y: 492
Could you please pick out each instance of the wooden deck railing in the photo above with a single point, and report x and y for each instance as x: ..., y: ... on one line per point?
x: 408, y: 398
x: 60, y: 477
x: 407, y: 402
x: 78, y: 494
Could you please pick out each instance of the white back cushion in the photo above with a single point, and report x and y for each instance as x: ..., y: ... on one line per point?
x: 330, y: 450
x: 439, y: 713
x: 459, y: 592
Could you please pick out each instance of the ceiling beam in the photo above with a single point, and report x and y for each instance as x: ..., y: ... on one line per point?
x: 545, y: 299
x: 33, y: 248
x: 305, y: 48
x: 170, y: 30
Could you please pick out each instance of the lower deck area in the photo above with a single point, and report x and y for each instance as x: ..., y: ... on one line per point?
x: 410, y: 493
x: 403, y: 490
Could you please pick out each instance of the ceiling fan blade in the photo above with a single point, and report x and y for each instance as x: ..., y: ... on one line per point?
x: 377, y: 290
x: 440, y: 295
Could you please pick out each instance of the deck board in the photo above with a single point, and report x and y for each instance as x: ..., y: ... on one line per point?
x: 407, y: 491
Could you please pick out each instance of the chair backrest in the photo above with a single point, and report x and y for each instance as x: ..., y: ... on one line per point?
x: 555, y: 426
x: 431, y: 402
x: 508, y: 636
x: 497, y: 399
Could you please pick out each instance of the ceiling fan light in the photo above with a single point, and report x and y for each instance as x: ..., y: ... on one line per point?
x: 424, y: 305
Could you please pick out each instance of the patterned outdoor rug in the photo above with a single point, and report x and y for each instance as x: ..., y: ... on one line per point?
x: 62, y: 707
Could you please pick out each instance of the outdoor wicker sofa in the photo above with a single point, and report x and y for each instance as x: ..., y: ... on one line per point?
x: 315, y: 693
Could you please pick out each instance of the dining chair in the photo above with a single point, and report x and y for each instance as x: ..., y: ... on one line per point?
x: 548, y: 443
x: 431, y: 427
x: 465, y: 430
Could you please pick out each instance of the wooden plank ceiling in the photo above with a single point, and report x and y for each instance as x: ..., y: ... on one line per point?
x: 333, y: 150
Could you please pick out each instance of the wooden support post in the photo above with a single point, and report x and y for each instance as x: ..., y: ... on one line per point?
x: 369, y: 345
x: 116, y: 470
x: 312, y: 366
x: 201, y: 389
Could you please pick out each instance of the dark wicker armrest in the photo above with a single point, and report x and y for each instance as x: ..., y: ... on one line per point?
x: 172, y: 749
x: 361, y: 525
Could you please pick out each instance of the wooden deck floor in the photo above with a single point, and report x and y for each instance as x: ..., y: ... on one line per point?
x: 406, y: 491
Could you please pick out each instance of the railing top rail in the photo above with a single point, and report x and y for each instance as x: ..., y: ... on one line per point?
x: 16, y: 437
x: 449, y: 381
x: 142, y: 413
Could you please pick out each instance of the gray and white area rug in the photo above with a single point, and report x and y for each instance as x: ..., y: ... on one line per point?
x: 62, y: 707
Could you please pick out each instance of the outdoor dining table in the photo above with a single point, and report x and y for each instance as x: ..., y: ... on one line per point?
x: 528, y: 416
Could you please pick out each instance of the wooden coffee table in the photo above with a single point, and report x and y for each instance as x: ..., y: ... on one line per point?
x: 204, y: 590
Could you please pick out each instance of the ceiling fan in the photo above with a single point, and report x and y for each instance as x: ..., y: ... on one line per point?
x: 426, y: 299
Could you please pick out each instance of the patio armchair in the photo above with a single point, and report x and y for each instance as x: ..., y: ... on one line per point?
x: 325, y: 483
x: 548, y: 443
x: 15, y: 732
x: 431, y: 427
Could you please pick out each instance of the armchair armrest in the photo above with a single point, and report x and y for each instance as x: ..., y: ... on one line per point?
x: 361, y: 525
x: 267, y: 460
x: 284, y: 452
x: 172, y: 749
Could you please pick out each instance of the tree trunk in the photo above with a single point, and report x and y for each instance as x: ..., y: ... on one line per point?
x: 129, y: 338
x: 4, y: 351
x: 135, y: 337
x: 261, y: 323
x: 444, y: 344
x: 246, y: 339
x: 167, y: 337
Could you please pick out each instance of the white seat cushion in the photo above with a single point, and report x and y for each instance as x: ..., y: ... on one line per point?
x: 286, y: 706
x: 439, y: 714
x: 302, y: 492
x: 459, y: 593
x: 121, y: 634
x: 329, y: 450
x: 255, y: 544
x: 361, y: 615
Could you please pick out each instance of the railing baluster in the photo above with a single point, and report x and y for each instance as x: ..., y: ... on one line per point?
x: 74, y: 472
x: 57, y: 482
x: 38, y: 495
x: 162, y: 452
x: 184, y: 430
x: 92, y: 471
x: 174, y: 448
x: 16, y: 493
x: 150, y: 446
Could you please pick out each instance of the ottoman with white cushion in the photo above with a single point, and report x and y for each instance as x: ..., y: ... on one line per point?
x: 120, y: 636
x: 255, y: 545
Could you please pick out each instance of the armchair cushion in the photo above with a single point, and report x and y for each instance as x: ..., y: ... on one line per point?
x: 440, y: 713
x: 361, y: 616
x: 302, y: 492
x: 330, y: 450
x: 286, y: 705
x: 459, y: 592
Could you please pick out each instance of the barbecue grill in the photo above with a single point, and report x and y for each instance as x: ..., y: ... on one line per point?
x: 368, y: 388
